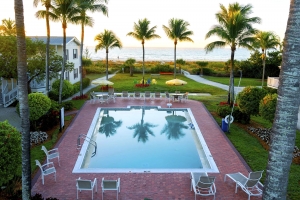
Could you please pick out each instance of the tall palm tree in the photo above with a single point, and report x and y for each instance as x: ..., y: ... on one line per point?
x: 107, y: 40
x: 23, y: 99
x: 285, y: 121
x: 266, y: 40
x: 142, y: 130
x: 235, y: 30
x: 177, y: 30
x: 45, y: 14
x: 8, y: 27
x: 85, y: 20
x: 142, y: 32
x: 65, y: 11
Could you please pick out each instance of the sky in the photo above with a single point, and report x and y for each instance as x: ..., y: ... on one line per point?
x: 122, y: 14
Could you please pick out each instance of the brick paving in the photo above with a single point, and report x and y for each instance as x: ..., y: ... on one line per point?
x: 137, y: 186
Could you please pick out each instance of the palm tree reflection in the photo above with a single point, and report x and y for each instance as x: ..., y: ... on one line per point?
x: 142, y: 130
x: 174, y: 126
x: 109, y: 126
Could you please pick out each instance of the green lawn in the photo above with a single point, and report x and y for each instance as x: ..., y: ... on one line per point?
x: 244, y: 81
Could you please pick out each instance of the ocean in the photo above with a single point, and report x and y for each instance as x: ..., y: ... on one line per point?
x: 167, y: 54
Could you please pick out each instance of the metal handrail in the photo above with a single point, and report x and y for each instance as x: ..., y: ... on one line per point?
x: 89, y: 140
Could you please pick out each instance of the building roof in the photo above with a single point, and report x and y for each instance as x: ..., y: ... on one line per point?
x: 56, y: 40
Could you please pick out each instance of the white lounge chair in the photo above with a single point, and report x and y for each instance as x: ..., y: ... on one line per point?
x: 251, y: 185
x: 53, y: 153
x: 110, y: 185
x: 137, y: 95
x: 46, y: 169
x: 82, y: 184
x: 125, y: 95
x: 157, y: 95
x: 202, y: 184
x: 147, y: 95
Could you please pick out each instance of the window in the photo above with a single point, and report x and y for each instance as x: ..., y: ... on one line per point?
x: 67, y: 77
x: 75, y: 53
x: 67, y: 54
x: 75, y: 73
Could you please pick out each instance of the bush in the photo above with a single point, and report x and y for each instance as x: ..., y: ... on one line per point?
x: 67, y: 90
x: 68, y: 105
x: 39, y: 104
x: 180, y: 61
x: 86, y: 62
x: 161, y: 68
x: 267, y: 106
x: 248, y: 100
x: 224, y: 110
x: 207, y: 71
x: 51, y: 118
x: 85, y: 83
x: 10, y: 151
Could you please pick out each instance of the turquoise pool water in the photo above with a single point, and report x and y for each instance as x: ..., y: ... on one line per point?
x: 143, y: 139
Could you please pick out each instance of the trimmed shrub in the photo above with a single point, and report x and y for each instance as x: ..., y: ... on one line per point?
x: 207, y: 71
x: 85, y: 83
x: 267, y: 106
x: 67, y: 90
x: 224, y: 110
x: 68, y: 105
x: 161, y: 68
x: 39, y: 104
x: 248, y: 100
x: 10, y: 151
x: 51, y: 118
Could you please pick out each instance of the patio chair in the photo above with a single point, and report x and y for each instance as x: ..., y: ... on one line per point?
x: 111, y: 94
x: 82, y: 184
x: 251, y: 185
x: 184, y: 98
x: 137, y: 95
x: 46, y: 169
x: 168, y: 97
x: 147, y: 94
x: 53, y: 153
x: 203, y: 185
x: 157, y: 95
x: 125, y: 95
x: 92, y: 98
x: 110, y: 185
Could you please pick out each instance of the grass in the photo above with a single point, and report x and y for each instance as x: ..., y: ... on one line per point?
x: 124, y: 82
x: 244, y: 81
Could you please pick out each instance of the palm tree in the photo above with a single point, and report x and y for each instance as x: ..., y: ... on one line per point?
x: 65, y: 11
x: 23, y: 99
x: 107, y: 40
x: 142, y: 130
x: 109, y: 125
x: 173, y: 130
x: 8, y: 27
x: 266, y: 40
x: 84, y: 19
x: 142, y: 32
x: 235, y: 30
x: 45, y: 14
x: 285, y: 121
x: 177, y: 30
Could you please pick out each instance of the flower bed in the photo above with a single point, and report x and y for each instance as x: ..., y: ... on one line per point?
x: 142, y: 85
x: 166, y: 73
x: 105, y: 87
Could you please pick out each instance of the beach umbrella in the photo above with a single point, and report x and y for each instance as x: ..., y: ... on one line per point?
x: 175, y: 118
x: 176, y: 82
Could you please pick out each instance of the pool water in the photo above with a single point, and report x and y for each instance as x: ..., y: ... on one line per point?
x: 144, y: 139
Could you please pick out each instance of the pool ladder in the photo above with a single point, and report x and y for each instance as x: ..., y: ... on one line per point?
x: 89, y: 140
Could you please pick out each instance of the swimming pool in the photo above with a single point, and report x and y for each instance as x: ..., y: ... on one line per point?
x: 144, y: 139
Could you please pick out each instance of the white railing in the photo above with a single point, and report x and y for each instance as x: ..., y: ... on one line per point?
x: 10, y: 97
x: 273, y: 82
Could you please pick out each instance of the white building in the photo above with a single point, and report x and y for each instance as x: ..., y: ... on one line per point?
x: 8, y: 90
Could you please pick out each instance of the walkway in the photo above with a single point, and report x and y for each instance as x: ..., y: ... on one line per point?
x: 137, y: 186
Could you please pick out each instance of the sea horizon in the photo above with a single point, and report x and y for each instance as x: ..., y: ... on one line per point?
x: 167, y: 54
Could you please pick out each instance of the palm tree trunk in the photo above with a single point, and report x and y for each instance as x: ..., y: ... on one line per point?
x: 23, y: 99
x: 143, y: 63
x: 231, y: 84
x: 263, y: 74
x: 63, y: 64
x: 175, y: 60
x: 47, y: 50
x: 106, y: 64
x: 285, y: 121
x: 81, y: 52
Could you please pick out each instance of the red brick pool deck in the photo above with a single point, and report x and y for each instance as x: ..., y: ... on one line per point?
x: 137, y: 186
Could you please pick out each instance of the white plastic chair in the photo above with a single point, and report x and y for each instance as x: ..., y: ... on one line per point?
x: 110, y: 185
x: 46, y: 169
x: 53, y: 153
x: 203, y: 185
x: 251, y: 185
x: 82, y: 184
